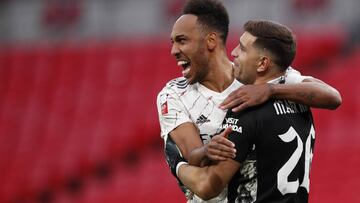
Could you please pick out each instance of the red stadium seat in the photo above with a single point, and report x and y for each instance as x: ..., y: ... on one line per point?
x: 69, y: 112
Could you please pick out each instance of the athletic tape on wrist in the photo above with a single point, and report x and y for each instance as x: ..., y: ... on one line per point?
x: 178, y: 166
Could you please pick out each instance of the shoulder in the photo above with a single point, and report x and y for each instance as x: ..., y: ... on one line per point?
x: 254, y: 114
x: 275, y: 110
x: 256, y: 109
x: 293, y: 76
x: 176, y: 86
x: 173, y: 89
x: 177, y: 83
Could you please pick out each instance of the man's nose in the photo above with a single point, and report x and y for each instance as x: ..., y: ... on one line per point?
x: 175, y: 50
x: 234, y: 52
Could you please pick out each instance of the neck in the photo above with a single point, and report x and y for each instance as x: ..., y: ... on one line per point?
x: 268, y: 76
x: 220, y: 75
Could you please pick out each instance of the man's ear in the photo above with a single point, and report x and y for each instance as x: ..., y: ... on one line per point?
x: 212, y: 40
x: 264, y: 64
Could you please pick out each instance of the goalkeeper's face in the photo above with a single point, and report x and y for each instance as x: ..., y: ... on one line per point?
x: 189, y: 48
x: 247, y: 59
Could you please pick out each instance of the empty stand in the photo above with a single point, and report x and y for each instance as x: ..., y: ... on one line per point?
x: 78, y: 122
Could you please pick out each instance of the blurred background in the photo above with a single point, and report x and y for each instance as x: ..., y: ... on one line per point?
x: 78, y: 86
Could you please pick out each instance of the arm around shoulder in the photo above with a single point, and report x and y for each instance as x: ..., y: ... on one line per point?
x: 311, y: 92
x: 331, y: 94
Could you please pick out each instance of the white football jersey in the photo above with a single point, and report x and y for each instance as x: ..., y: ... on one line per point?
x: 178, y: 103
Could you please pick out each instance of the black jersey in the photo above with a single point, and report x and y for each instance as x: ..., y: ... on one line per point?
x: 274, y: 144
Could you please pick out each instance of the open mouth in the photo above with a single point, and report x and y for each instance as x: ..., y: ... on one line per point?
x: 186, y: 67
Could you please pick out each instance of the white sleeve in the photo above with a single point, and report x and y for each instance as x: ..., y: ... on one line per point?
x: 171, y: 111
x: 293, y: 76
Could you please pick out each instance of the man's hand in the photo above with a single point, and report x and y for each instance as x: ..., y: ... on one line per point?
x: 247, y: 96
x: 220, y: 148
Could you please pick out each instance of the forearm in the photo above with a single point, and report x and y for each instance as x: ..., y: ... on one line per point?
x: 314, y: 94
x: 219, y: 148
x: 197, y: 157
x: 201, y: 181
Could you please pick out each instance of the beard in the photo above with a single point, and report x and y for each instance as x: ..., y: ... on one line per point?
x: 199, y: 64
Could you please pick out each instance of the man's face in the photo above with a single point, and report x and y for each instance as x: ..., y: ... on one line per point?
x: 189, y: 49
x: 246, y: 59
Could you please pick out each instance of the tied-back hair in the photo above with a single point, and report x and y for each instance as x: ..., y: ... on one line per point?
x: 212, y: 15
x: 275, y: 38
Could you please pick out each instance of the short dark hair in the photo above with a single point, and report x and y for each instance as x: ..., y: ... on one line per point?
x: 211, y: 14
x: 274, y: 37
